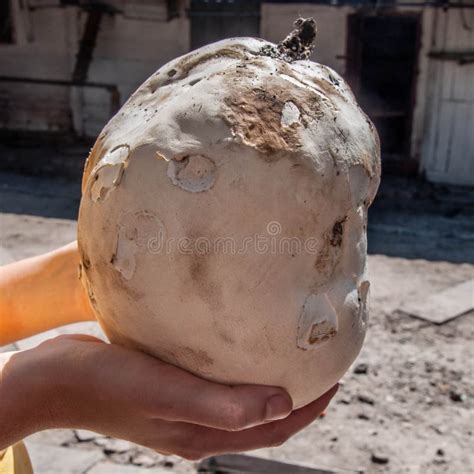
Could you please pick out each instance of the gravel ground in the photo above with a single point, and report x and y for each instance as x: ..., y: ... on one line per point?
x: 406, y: 405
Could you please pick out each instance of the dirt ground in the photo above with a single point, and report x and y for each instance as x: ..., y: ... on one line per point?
x: 406, y: 405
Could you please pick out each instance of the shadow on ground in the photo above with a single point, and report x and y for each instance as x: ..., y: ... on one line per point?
x: 39, y: 195
x: 414, y: 219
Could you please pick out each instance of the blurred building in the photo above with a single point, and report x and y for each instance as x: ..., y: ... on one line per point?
x: 67, y: 65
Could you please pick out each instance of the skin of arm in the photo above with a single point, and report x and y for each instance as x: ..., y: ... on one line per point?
x: 40, y: 293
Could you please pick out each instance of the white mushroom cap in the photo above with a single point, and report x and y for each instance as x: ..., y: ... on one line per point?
x: 223, y: 148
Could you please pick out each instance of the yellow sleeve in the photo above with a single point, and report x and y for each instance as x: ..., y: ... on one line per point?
x: 15, y: 460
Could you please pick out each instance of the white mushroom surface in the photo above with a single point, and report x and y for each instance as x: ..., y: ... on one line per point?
x: 222, y: 225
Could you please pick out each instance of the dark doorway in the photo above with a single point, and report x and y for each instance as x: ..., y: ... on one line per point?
x: 213, y: 20
x: 6, y: 22
x: 382, y: 59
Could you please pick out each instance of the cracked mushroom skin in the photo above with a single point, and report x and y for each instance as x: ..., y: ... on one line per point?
x: 222, y: 226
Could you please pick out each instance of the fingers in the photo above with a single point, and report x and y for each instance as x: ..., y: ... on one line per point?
x: 228, y: 408
x: 159, y: 390
x: 205, y: 442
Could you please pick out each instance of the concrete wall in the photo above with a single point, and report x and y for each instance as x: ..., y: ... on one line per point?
x: 128, y: 51
x: 42, y: 50
x: 130, y: 46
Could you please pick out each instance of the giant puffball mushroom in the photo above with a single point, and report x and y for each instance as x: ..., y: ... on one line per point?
x: 222, y: 226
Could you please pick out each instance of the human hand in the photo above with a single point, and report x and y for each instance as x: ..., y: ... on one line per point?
x: 79, y: 381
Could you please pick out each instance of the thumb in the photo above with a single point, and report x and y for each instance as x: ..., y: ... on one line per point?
x: 230, y: 408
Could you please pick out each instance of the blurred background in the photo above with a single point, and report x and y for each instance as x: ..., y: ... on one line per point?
x: 66, y: 66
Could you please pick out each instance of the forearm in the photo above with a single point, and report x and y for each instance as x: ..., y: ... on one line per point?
x: 43, y: 387
x: 40, y: 293
x: 17, y: 419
